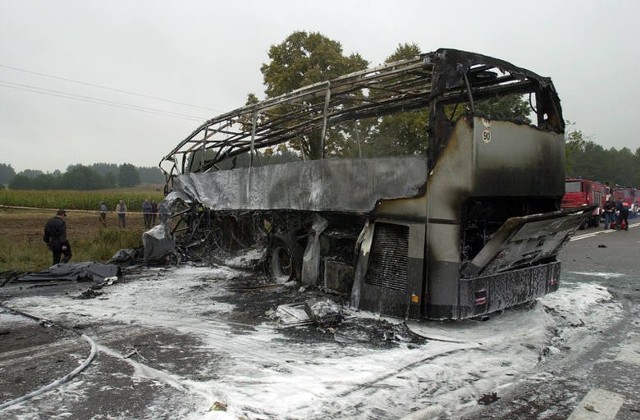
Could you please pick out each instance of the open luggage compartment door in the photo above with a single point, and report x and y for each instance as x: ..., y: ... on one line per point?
x: 525, y: 241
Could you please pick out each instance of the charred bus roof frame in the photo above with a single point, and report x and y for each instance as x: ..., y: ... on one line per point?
x: 429, y: 81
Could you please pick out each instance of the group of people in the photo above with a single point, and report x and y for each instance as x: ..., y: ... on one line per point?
x: 149, y: 213
x: 55, y: 230
x: 616, y: 213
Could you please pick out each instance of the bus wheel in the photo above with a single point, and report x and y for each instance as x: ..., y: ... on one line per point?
x: 284, y: 260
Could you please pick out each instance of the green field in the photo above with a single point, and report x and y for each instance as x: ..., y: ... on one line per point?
x: 23, y: 214
x: 80, y: 200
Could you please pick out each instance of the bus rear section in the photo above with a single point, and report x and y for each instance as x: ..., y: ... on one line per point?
x: 490, y: 227
x: 457, y: 219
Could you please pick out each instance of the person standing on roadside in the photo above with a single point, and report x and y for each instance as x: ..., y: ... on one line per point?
x: 146, y: 213
x: 609, y: 211
x: 154, y: 212
x: 103, y: 214
x: 55, y: 236
x: 624, y: 214
x: 121, y: 209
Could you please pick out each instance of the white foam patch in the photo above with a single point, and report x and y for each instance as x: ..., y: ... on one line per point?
x: 598, y: 404
x: 597, y: 274
x: 263, y: 374
x: 630, y: 351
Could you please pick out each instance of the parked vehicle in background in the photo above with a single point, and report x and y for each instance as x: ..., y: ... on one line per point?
x: 626, y: 195
x: 583, y: 193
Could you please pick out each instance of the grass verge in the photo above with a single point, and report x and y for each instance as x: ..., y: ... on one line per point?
x: 23, y: 250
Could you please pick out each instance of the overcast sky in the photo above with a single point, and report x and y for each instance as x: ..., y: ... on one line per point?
x: 203, y: 57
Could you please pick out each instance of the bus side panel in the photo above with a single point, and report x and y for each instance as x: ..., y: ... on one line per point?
x: 338, y: 185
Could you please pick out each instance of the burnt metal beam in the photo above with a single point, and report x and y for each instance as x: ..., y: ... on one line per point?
x: 428, y: 82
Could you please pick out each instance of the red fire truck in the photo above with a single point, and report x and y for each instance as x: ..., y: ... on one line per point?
x: 628, y: 195
x: 582, y: 193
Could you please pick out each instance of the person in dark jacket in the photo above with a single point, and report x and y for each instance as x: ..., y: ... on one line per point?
x: 609, y: 212
x: 55, y: 236
x: 623, y: 217
x: 154, y: 212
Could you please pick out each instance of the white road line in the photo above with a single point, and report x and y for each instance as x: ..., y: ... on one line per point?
x: 600, y: 232
x: 630, y: 352
x: 598, y: 404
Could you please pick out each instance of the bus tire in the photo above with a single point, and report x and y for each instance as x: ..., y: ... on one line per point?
x: 283, y: 260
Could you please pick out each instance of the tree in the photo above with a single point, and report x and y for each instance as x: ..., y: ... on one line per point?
x: 402, y: 133
x: 151, y: 175
x: 404, y: 52
x: 31, y: 173
x: 81, y: 178
x: 303, y: 59
x: 6, y: 173
x: 585, y: 159
x: 251, y: 99
x: 574, y: 147
x: 588, y: 160
x: 512, y: 107
x: 104, y: 168
x: 108, y: 172
x: 110, y: 180
x: 128, y: 175
x: 20, y: 182
x: 45, y: 182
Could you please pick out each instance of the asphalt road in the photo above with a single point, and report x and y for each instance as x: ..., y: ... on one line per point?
x: 143, y: 370
x: 600, y: 381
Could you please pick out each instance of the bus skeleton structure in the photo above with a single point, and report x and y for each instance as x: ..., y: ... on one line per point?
x: 466, y: 223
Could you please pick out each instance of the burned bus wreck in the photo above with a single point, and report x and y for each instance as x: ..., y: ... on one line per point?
x: 407, y: 185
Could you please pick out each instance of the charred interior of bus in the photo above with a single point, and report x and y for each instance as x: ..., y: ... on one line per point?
x: 483, y: 216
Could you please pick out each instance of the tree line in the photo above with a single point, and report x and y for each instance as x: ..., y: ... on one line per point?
x: 587, y: 160
x: 79, y: 177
